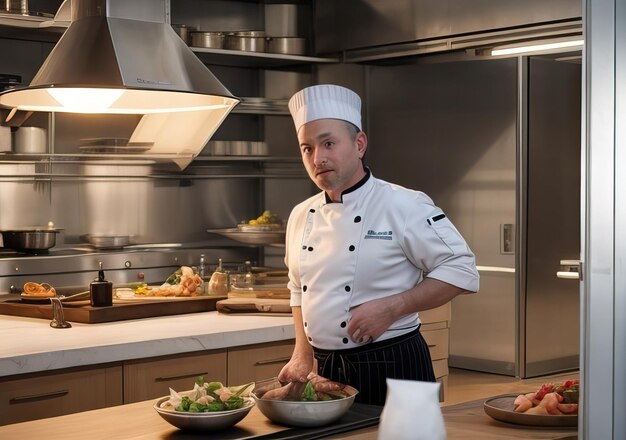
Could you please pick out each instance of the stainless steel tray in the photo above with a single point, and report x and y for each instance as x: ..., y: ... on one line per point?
x: 274, y: 238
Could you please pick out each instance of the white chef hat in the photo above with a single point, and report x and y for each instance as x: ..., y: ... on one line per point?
x: 325, y: 101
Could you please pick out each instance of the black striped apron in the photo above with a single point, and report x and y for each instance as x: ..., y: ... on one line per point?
x: 367, y: 367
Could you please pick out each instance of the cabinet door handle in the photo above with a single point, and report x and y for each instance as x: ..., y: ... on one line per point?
x: 273, y: 361
x: 36, y: 397
x: 184, y: 376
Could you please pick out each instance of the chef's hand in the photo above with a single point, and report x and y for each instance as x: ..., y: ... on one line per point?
x: 369, y: 321
x: 296, y: 370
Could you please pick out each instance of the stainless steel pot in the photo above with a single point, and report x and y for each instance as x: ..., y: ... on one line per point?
x: 31, y: 140
x: 287, y: 45
x: 30, y: 239
x: 184, y: 32
x: 249, y: 41
x: 211, y: 40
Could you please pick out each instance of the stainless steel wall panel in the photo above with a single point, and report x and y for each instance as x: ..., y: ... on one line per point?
x: 150, y: 210
x: 218, y: 15
x: 24, y: 203
x: 350, y: 24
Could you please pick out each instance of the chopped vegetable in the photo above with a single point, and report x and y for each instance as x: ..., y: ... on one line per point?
x: 175, y: 277
x: 309, y: 392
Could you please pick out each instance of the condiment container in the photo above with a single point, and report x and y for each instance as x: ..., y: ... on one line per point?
x: 218, y: 284
x: 204, y: 287
x: 101, y: 291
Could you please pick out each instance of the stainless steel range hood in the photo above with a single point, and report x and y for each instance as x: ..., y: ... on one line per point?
x: 122, y: 57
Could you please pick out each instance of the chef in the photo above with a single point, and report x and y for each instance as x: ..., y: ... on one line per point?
x: 364, y: 257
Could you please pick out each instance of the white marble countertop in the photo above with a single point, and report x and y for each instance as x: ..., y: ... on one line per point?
x: 30, y: 345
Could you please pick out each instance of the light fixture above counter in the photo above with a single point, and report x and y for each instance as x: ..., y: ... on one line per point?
x: 119, y: 57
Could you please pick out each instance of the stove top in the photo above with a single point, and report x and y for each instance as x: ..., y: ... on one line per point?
x: 86, y: 249
x: 10, y: 253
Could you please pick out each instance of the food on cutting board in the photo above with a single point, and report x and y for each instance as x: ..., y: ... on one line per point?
x: 183, y: 282
x: 550, y: 399
x: 265, y: 222
x: 43, y: 290
x: 315, y: 388
x: 209, y: 397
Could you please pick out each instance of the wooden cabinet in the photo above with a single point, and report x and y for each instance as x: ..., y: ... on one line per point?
x: 436, y: 331
x: 151, y: 378
x: 49, y: 394
x: 263, y: 361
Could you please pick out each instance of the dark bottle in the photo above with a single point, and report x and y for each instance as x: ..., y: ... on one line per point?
x: 101, y: 291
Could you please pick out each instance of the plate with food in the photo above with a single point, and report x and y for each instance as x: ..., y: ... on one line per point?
x: 550, y: 405
x: 316, y: 402
x: 266, y: 229
x: 37, y: 292
x: 184, y: 283
x: 209, y: 406
x: 124, y: 294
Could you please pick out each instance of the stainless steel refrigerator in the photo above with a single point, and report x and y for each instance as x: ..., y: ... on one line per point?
x: 496, y: 144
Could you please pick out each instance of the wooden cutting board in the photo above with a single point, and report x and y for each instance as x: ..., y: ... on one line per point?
x: 253, y: 305
x: 81, y: 311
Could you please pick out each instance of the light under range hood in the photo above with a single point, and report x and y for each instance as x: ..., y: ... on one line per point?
x: 121, y: 57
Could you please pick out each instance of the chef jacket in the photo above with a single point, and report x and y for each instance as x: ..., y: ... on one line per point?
x: 382, y: 239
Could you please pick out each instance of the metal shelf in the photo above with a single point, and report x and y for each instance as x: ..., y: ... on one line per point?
x: 264, y: 106
x: 240, y: 58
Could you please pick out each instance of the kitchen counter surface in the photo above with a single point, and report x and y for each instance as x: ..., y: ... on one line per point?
x: 31, y: 345
x: 140, y: 421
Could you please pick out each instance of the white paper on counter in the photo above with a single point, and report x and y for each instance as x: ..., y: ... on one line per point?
x: 411, y: 411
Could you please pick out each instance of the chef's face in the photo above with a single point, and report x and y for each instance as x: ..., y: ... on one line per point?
x: 332, y: 154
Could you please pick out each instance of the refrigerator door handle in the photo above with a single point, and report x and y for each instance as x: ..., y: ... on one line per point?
x: 495, y: 269
x: 572, y: 270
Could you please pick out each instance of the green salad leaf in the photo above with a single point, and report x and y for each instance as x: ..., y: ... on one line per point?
x: 309, y: 393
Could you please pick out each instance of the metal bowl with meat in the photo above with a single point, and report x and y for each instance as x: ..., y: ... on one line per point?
x: 284, y: 404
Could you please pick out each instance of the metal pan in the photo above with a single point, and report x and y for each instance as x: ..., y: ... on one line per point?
x: 104, y: 241
x: 211, y: 40
x: 287, y: 45
x: 30, y: 239
x: 248, y: 41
